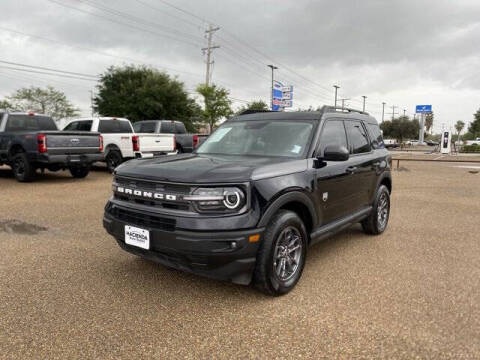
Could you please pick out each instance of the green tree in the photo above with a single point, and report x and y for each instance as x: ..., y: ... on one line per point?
x: 46, y: 101
x: 4, y: 104
x: 254, y: 105
x: 474, y: 127
x: 217, y: 104
x: 459, y: 127
x: 141, y: 93
x: 429, y: 121
x: 401, y: 128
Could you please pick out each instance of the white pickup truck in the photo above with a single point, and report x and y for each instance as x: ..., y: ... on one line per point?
x: 473, y: 142
x: 120, y: 142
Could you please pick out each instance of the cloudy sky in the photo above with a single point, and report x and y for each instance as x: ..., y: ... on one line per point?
x: 400, y: 52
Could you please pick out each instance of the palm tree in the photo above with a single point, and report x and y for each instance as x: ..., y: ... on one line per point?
x: 459, y: 127
x: 429, y: 121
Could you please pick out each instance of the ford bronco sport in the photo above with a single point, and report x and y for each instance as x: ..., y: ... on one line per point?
x: 247, y: 204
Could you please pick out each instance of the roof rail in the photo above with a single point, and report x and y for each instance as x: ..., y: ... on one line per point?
x: 328, y: 108
x: 252, y: 111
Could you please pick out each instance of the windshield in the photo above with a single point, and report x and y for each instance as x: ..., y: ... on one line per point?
x: 260, y: 138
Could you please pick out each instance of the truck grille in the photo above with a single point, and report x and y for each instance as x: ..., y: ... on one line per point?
x: 165, y: 188
x: 141, y: 219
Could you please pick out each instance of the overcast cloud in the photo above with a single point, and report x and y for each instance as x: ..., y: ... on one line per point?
x: 401, y: 52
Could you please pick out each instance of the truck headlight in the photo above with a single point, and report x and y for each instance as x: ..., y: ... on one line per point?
x: 217, y: 199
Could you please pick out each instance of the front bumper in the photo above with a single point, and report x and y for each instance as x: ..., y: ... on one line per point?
x: 207, y: 253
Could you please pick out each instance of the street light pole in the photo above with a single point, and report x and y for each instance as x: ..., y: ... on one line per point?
x: 383, y: 111
x: 271, y: 91
x: 336, y: 89
x: 364, y: 98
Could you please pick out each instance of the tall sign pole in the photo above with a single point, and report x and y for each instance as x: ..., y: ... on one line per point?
x: 336, y: 89
x: 273, y: 67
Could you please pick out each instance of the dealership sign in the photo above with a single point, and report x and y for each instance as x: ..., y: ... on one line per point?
x: 281, y: 96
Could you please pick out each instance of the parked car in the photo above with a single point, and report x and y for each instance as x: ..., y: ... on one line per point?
x: 391, y: 143
x: 30, y: 141
x: 120, y: 141
x: 254, y: 196
x: 473, y: 142
x: 431, y: 143
x: 185, y: 142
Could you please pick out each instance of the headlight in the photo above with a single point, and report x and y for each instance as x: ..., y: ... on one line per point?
x: 217, y: 199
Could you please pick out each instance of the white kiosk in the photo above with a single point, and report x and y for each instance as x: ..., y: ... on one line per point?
x: 446, y: 143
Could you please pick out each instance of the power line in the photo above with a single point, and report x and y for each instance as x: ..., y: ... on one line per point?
x: 124, y: 24
x: 46, y: 73
x: 97, y: 52
x: 49, y: 69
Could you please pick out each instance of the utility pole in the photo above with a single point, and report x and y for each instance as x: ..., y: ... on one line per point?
x: 393, y: 111
x: 91, y: 101
x: 343, y: 103
x: 273, y: 67
x: 383, y: 111
x: 336, y: 89
x: 364, y: 98
x: 210, y: 31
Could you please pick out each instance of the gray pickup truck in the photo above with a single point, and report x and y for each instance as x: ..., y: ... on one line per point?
x: 30, y: 141
x: 185, y: 142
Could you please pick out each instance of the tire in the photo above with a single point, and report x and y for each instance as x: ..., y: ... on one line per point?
x: 79, y: 172
x: 23, y: 170
x: 179, y: 149
x: 113, y: 159
x: 268, y: 276
x: 376, y: 223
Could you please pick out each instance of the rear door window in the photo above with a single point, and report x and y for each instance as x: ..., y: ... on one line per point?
x: 167, y: 127
x: 72, y: 126
x: 85, y: 125
x: 357, y: 137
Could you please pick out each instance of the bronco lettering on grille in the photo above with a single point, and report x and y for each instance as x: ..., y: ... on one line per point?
x: 145, y: 194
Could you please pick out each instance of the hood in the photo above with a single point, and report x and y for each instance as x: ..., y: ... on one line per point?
x: 193, y: 168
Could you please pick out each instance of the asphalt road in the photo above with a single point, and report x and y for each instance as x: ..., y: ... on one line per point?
x: 68, y: 291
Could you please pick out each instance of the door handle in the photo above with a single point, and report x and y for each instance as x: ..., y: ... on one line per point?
x: 351, y: 169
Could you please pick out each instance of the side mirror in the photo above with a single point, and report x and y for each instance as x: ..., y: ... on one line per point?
x: 336, y: 153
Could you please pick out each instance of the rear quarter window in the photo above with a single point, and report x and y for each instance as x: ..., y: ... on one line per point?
x: 375, y: 136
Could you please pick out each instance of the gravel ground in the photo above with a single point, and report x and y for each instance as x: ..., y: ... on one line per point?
x: 68, y: 291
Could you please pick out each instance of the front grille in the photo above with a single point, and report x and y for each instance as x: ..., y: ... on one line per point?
x: 142, y: 219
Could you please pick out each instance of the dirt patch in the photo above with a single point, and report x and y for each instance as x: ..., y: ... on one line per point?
x: 20, y: 227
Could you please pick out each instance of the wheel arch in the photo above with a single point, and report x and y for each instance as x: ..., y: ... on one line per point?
x: 295, y: 201
x: 15, y: 149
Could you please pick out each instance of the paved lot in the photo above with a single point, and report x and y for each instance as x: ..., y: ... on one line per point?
x: 68, y: 291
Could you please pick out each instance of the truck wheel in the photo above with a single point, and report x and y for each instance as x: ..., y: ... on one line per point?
x: 281, y: 257
x: 113, y: 159
x: 22, y: 169
x: 377, y: 221
x: 79, y: 172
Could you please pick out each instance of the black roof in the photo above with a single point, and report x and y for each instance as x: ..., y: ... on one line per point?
x: 306, y: 115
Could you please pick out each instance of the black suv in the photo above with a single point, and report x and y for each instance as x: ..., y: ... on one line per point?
x: 249, y: 201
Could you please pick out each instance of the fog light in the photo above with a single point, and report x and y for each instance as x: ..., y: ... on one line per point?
x: 233, y: 245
